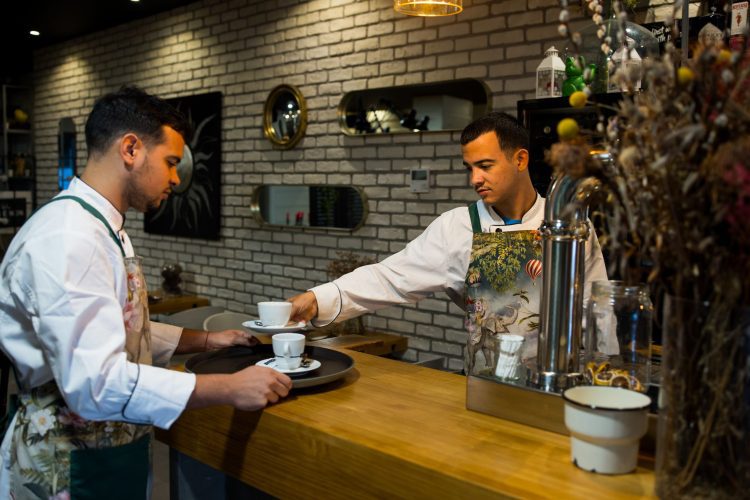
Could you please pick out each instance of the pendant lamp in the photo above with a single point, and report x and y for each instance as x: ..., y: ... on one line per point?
x: 429, y: 8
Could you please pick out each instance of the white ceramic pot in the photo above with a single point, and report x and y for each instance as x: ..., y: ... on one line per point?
x: 606, y: 425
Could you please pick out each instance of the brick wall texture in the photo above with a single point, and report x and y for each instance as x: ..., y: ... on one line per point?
x: 326, y: 48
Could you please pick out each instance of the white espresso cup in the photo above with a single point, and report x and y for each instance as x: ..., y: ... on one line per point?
x: 288, y: 348
x: 274, y: 314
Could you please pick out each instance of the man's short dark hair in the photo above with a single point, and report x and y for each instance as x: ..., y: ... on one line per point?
x: 510, y: 133
x: 131, y: 109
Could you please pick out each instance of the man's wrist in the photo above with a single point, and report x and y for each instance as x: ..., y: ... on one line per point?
x: 327, y: 304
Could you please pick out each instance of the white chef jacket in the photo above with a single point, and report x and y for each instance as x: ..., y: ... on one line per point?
x: 436, y: 260
x: 61, y: 309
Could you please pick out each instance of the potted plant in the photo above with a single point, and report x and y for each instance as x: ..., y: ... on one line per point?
x: 679, y: 192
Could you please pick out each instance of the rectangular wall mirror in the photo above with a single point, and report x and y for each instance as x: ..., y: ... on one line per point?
x: 414, y: 108
x: 329, y: 207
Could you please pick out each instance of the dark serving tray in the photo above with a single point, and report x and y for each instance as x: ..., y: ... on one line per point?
x: 333, y: 364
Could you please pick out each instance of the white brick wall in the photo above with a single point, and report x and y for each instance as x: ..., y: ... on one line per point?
x: 326, y: 48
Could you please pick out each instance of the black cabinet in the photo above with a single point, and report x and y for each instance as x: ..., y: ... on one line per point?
x: 540, y: 117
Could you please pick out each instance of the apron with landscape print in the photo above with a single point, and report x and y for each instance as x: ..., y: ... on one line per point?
x: 58, y: 454
x: 502, y: 298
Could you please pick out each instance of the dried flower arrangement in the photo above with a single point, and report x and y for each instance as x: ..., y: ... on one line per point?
x: 346, y: 262
x: 678, y: 184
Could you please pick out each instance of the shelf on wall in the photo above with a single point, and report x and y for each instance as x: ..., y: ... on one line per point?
x: 17, y: 165
x: 13, y: 212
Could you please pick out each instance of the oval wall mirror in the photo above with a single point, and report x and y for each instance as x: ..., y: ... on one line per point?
x: 414, y: 108
x: 285, y: 116
x: 330, y: 207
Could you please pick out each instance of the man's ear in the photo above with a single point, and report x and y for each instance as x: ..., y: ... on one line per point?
x: 129, y: 148
x: 521, y: 159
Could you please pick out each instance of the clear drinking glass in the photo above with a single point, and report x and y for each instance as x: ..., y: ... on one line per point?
x: 617, y: 343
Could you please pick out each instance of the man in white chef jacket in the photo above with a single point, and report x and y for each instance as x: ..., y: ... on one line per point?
x: 461, y: 252
x: 74, y: 316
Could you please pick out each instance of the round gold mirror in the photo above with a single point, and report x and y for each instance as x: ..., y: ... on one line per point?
x: 285, y: 116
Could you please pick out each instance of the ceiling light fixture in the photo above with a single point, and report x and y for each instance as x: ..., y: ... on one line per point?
x: 34, y: 33
x: 428, y: 8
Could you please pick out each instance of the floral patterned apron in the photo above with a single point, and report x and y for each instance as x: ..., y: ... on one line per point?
x: 502, y: 293
x: 58, y: 454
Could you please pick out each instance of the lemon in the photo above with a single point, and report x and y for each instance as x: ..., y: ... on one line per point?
x: 567, y: 129
x: 590, y: 376
x: 635, y: 384
x: 20, y: 115
x: 620, y: 381
x: 724, y: 56
x: 577, y: 99
x: 685, y: 75
x: 603, y: 378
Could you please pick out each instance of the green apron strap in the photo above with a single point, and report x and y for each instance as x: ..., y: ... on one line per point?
x: 86, y: 206
x: 476, y: 226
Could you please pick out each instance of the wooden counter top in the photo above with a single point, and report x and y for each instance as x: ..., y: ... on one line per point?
x: 167, y: 304
x: 377, y: 343
x: 390, y: 429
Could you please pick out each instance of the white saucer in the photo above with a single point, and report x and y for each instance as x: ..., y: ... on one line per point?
x: 271, y: 363
x: 257, y: 326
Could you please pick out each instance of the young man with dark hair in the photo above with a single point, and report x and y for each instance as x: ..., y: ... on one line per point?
x: 74, y: 315
x: 484, y: 256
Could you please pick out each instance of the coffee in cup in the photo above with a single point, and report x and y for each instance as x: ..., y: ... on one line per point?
x: 288, y: 348
x: 274, y: 314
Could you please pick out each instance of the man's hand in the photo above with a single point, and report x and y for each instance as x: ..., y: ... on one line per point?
x: 250, y: 389
x: 201, y: 340
x: 228, y: 338
x: 304, y: 307
x: 256, y: 386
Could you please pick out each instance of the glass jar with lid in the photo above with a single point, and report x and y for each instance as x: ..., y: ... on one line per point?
x: 617, y: 341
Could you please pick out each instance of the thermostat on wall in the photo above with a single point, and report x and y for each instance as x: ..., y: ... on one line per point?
x: 420, y: 180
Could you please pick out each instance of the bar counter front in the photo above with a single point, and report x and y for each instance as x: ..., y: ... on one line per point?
x: 392, y: 429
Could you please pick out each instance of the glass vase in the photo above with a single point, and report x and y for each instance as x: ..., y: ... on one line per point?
x: 703, y: 443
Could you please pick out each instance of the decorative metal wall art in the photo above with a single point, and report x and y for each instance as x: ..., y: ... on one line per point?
x: 193, y: 209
